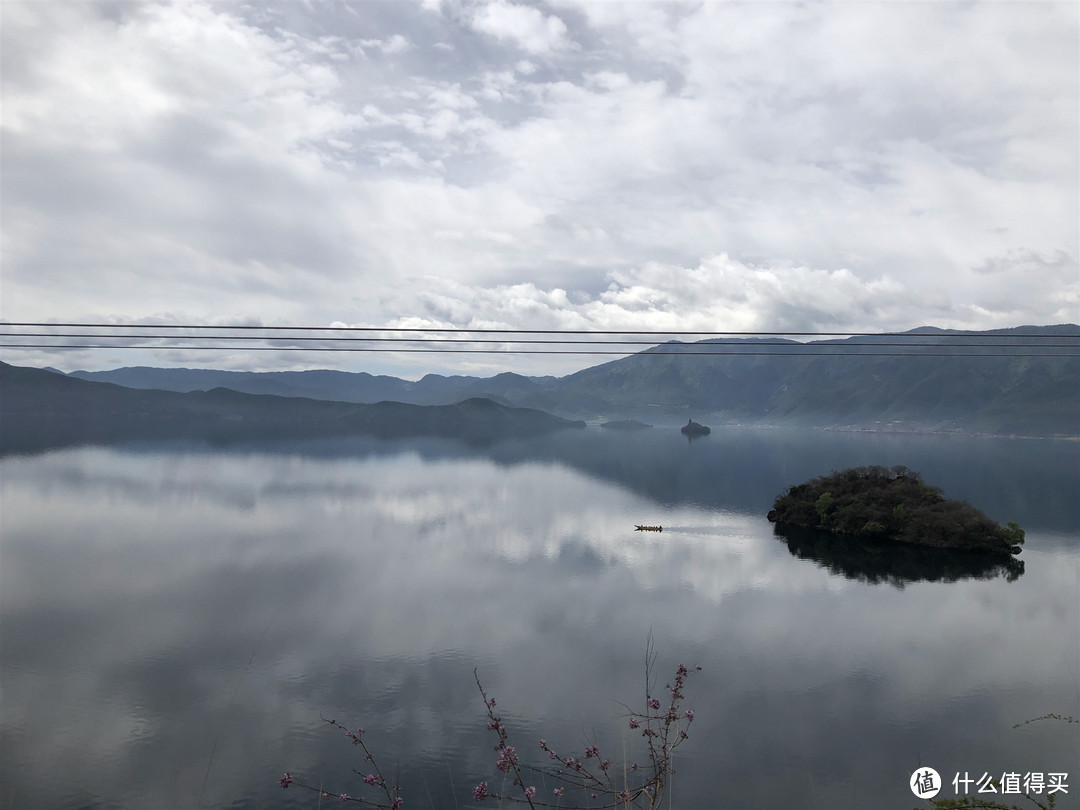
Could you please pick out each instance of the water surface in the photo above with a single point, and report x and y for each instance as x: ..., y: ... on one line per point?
x: 174, y: 619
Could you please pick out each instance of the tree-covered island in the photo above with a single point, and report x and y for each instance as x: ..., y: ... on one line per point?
x: 892, y: 504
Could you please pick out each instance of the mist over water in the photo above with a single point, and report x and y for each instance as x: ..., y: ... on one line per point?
x: 174, y: 619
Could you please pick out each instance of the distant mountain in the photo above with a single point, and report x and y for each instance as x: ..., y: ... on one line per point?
x: 40, y: 408
x: 320, y: 384
x: 341, y: 386
x: 927, y: 381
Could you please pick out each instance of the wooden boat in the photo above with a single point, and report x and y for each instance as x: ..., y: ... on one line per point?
x: 648, y: 528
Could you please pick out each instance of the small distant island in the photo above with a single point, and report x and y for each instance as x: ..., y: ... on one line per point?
x: 692, y: 428
x: 892, y: 504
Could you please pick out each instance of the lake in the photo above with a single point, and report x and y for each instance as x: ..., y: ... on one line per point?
x: 176, y: 618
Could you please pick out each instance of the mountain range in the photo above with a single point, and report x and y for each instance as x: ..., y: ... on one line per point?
x: 40, y: 408
x: 1021, y: 381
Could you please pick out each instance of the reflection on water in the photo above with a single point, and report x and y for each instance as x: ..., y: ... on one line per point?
x: 894, y: 563
x: 173, y: 621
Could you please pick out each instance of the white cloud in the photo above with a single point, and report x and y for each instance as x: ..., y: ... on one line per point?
x: 394, y: 44
x: 856, y: 165
x: 525, y: 26
x: 720, y: 293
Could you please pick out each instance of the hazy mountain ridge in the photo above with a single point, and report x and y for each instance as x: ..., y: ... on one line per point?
x: 342, y: 386
x: 835, y: 383
x: 850, y: 381
x: 41, y: 408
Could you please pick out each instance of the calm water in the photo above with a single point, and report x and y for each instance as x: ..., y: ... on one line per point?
x: 175, y: 619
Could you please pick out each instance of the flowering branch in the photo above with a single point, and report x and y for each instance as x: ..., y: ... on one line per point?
x: 507, y: 760
x: 664, y: 727
x: 373, y: 779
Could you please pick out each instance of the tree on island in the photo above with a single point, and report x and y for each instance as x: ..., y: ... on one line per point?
x: 892, y: 504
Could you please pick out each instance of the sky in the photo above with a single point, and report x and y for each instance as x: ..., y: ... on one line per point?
x: 711, y: 166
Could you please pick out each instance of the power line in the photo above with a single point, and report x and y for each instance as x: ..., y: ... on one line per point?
x: 463, y: 330
x: 433, y: 340
x: 791, y: 352
x: 296, y: 339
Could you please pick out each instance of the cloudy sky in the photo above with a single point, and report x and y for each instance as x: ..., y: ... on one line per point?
x: 576, y: 165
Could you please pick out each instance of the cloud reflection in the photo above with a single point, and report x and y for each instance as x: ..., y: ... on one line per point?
x: 137, y: 587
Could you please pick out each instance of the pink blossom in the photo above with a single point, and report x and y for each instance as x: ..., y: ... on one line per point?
x: 507, y: 758
x: 480, y: 792
x: 530, y: 792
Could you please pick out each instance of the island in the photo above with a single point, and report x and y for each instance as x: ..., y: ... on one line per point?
x: 892, y: 504
x: 692, y: 428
